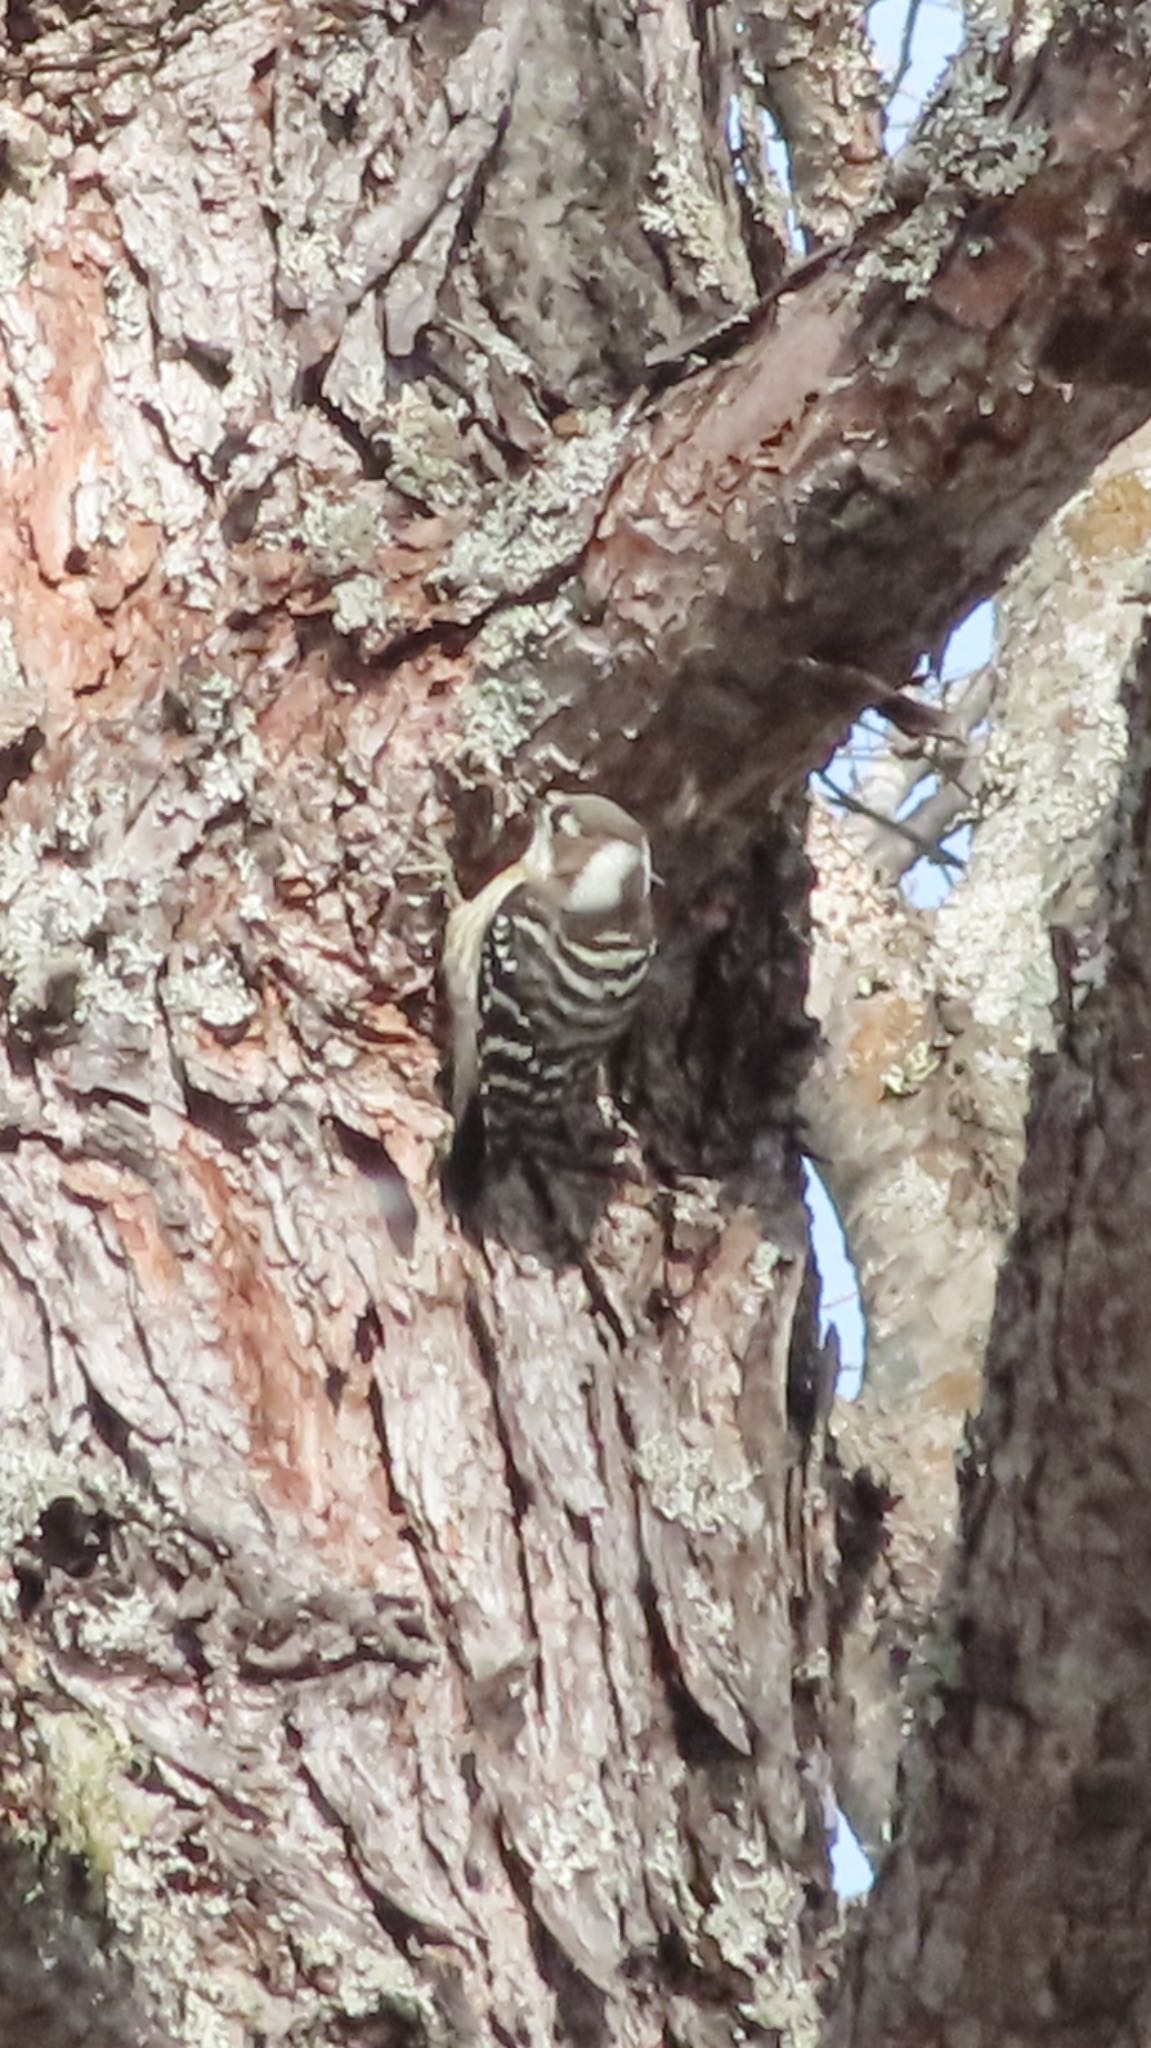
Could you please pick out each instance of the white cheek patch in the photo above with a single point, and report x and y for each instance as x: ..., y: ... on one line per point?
x: 600, y: 884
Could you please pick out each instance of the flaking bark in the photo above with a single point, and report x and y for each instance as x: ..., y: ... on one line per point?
x: 411, y: 1638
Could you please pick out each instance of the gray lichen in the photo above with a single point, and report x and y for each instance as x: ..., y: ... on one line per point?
x: 967, y: 148
x: 687, y: 1484
x: 682, y: 209
x: 214, y: 990
x: 535, y: 525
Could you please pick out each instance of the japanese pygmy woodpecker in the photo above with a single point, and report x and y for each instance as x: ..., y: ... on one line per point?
x: 543, y: 970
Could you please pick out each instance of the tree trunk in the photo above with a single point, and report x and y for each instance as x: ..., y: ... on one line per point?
x: 416, y: 1633
x: 1024, y: 1834
x: 917, y: 1098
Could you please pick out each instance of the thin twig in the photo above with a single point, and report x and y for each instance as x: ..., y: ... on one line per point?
x: 903, y: 65
x: 925, y: 850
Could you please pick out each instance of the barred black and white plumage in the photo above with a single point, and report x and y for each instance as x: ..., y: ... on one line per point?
x: 545, y: 968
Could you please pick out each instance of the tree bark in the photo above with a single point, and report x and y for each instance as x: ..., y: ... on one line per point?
x: 414, y: 1635
x: 930, y: 1019
x: 1024, y: 1831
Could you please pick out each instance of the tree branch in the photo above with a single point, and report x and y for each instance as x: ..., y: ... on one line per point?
x: 824, y: 89
x: 801, y: 501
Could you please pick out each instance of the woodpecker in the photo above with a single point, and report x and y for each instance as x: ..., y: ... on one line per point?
x: 543, y: 971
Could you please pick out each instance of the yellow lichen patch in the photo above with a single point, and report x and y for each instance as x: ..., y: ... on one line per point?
x: 98, y: 1813
x: 1113, y: 519
x: 889, y: 1026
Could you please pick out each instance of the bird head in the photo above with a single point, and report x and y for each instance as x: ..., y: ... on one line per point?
x: 591, y: 850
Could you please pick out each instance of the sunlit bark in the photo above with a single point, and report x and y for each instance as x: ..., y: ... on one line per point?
x: 415, y: 1634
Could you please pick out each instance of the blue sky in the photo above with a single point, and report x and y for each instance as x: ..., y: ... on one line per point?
x: 937, y: 35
